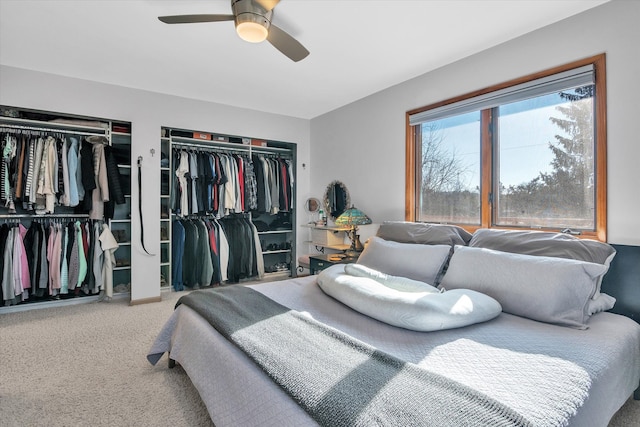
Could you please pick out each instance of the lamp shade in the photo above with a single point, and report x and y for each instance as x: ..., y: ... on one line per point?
x: 352, y: 216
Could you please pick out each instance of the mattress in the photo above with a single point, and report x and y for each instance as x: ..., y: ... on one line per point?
x: 530, y: 366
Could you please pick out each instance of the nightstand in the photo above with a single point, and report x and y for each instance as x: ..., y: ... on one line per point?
x: 318, y: 263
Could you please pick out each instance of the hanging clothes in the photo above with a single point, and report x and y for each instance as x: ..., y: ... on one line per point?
x: 7, y: 285
x: 72, y: 167
x: 40, y: 172
x: 114, y: 179
x: 109, y: 247
x: 72, y: 257
x: 6, y: 172
x: 22, y: 279
x: 100, y: 193
x: 51, y: 261
x: 207, y: 251
x: 213, y: 191
x: 177, y: 252
x: 222, y: 184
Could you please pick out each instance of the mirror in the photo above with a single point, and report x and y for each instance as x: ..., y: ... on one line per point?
x: 336, y: 199
x: 312, y: 205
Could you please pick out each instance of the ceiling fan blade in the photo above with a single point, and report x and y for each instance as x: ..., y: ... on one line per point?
x: 192, y: 19
x: 286, y: 44
x: 268, y: 4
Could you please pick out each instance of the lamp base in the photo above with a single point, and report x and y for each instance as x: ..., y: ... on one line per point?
x: 350, y: 253
x: 356, y: 246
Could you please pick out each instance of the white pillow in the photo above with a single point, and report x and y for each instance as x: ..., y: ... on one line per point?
x: 402, y: 284
x: 547, y: 289
x: 414, y: 261
x: 416, y: 311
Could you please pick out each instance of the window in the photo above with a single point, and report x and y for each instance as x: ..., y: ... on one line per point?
x: 527, y: 154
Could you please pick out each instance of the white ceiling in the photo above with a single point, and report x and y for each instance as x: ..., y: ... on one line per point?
x: 358, y: 47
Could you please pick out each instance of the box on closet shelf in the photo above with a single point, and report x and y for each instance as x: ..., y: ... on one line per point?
x: 220, y: 138
x: 254, y: 142
x: 202, y: 136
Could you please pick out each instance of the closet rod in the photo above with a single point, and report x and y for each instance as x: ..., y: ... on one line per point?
x: 285, y: 154
x: 51, y: 216
x: 192, y: 142
x: 9, y: 128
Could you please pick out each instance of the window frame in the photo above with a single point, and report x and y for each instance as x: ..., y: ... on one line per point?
x: 487, y: 159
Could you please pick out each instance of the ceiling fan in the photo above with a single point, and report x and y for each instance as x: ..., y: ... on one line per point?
x: 253, y: 24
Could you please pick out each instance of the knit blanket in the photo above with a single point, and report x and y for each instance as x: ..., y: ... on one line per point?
x: 336, y: 379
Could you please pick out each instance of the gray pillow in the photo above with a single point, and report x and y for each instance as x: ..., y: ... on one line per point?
x: 424, y: 233
x: 542, y: 243
x: 547, y: 289
x: 414, y: 261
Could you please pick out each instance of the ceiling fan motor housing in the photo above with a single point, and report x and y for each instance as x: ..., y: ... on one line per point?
x: 251, y: 12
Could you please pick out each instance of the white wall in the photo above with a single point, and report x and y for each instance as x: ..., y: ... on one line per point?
x: 363, y: 144
x: 148, y: 112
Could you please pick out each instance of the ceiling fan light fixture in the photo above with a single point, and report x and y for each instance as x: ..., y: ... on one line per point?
x: 253, y: 32
x: 252, y: 20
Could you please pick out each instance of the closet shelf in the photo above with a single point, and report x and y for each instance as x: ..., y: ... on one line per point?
x: 198, y: 143
x: 279, y: 251
x: 275, y: 232
x: 48, y: 126
x: 45, y: 216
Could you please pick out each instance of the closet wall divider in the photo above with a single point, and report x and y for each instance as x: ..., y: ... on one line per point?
x: 236, y: 196
x: 63, y: 179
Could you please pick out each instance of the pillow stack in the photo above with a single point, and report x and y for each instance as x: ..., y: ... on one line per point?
x: 544, y: 276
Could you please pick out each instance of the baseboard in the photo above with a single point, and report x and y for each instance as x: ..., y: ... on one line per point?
x: 145, y: 300
x: 60, y: 303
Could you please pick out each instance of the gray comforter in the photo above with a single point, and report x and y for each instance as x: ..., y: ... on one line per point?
x: 337, y: 379
x: 552, y: 375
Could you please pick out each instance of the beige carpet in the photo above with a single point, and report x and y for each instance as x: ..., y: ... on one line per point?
x: 85, y: 365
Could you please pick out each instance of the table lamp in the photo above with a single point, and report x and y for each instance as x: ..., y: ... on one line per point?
x: 352, y: 218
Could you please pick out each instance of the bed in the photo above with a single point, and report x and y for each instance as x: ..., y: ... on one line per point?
x: 549, y: 371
